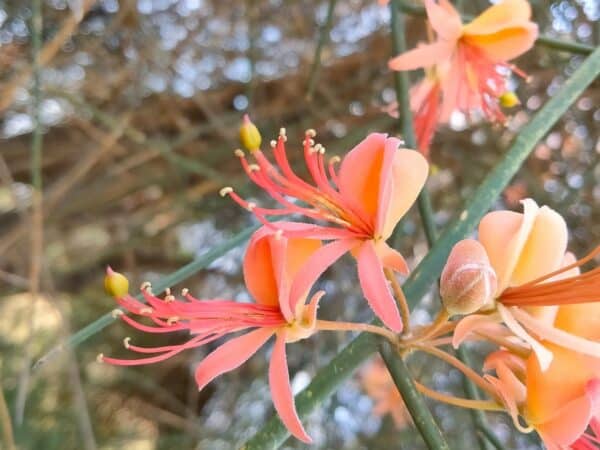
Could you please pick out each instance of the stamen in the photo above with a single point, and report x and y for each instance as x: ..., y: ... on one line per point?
x: 146, y: 286
x: 185, y: 292
x: 126, y: 342
x: 225, y: 191
x: 116, y: 313
x: 239, y: 153
x: 100, y: 358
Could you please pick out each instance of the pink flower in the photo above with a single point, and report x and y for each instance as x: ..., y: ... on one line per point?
x: 361, y: 204
x: 270, y: 264
x: 466, y: 65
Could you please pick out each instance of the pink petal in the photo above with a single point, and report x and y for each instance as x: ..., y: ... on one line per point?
x: 425, y: 55
x: 278, y: 247
x: 391, y: 258
x: 569, y: 423
x: 315, y: 266
x: 258, y: 271
x: 230, y: 355
x: 406, y: 176
x: 444, y: 19
x: 281, y: 391
x: 375, y: 287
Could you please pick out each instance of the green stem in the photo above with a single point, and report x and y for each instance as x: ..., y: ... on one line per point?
x: 542, y: 41
x: 402, y: 85
x: 415, y: 404
x: 323, y: 38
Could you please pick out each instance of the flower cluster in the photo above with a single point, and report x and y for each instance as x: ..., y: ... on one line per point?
x: 514, y: 286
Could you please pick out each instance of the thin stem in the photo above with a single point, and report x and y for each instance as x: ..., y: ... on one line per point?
x: 542, y: 41
x: 415, y: 403
x: 323, y: 37
x: 478, y: 415
x: 432, y: 330
x: 401, y: 299
x: 453, y: 361
x: 330, y: 325
x: 481, y: 405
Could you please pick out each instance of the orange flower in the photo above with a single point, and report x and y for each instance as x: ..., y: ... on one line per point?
x: 535, y: 277
x: 466, y: 66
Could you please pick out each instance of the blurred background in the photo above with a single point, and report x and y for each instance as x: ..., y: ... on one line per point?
x: 139, y: 108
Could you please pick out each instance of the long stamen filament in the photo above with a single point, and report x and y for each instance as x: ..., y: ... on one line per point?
x: 401, y: 299
x: 482, y: 405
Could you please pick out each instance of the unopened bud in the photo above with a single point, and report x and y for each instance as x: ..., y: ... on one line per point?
x: 249, y: 135
x: 509, y: 99
x: 115, y: 284
x: 468, y: 280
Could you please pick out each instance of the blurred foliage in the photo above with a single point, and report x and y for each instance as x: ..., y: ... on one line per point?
x: 141, y: 101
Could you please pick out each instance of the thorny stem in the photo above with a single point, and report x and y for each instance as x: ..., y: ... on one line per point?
x: 401, y: 299
x: 482, y: 405
x: 330, y: 325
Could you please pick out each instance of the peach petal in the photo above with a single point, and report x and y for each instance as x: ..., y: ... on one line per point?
x: 505, y: 44
x: 500, y: 16
x: 281, y: 391
x: 543, y: 354
x: 544, y: 248
x: 569, y: 424
x: 278, y: 246
x: 509, y: 401
x: 581, y: 319
x: 386, y: 188
x: 258, y: 271
x: 318, y: 263
x: 555, y: 335
x: 473, y: 323
x: 504, y: 234
x: 375, y: 287
x: 409, y: 171
x: 425, y: 55
x: 444, y: 19
x: 391, y: 258
x: 231, y: 355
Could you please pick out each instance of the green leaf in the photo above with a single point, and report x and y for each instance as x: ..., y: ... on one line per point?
x: 273, y: 434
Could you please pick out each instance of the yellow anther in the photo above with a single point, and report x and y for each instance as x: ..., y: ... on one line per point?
x: 253, y: 167
x: 116, y: 313
x: 100, y: 358
x: 282, y: 132
x: 250, y: 206
x: 311, y: 132
x: 126, y: 342
x: 185, y: 292
x: 115, y: 283
x: 249, y: 135
x: 169, y: 298
x: 335, y: 159
x: 239, y: 153
x: 509, y: 99
x: 225, y: 191
x: 145, y: 286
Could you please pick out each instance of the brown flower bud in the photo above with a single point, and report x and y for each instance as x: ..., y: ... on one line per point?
x: 468, y: 280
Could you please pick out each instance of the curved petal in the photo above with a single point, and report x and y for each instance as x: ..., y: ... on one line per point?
x: 557, y: 336
x: 360, y: 174
x: 425, y: 55
x: 581, y: 319
x: 504, y: 234
x: 506, y: 44
x: 314, y: 266
x: 281, y: 391
x: 259, y: 275
x: 375, y: 287
x: 278, y: 246
x: 473, y: 323
x: 544, y: 355
x: 497, y: 17
x: 230, y: 355
x: 509, y: 401
x: 544, y: 248
x: 391, y: 258
x: 409, y: 171
x: 444, y: 19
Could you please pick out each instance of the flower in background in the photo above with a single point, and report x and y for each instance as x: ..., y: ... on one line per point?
x: 358, y: 206
x: 270, y: 264
x: 378, y: 384
x: 535, y: 277
x: 467, y: 66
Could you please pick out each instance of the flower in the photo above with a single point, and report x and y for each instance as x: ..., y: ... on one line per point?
x: 361, y: 203
x: 535, y: 278
x: 562, y: 400
x: 466, y: 66
x: 378, y: 384
x: 270, y: 264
